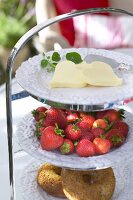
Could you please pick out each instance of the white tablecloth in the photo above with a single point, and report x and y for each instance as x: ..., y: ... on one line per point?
x: 20, y: 108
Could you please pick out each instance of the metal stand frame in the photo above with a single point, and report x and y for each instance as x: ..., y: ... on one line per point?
x: 19, y: 45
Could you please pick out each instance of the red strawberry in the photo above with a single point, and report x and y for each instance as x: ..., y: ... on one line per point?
x: 114, y: 115
x: 98, y: 132
x: 85, y: 148
x: 89, y: 119
x: 100, y: 114
x: 72, y: 132
x: 88, y: 135
x: 72, y: 117
x: 82, y: 114
x: 100, y: 123
x: 102, y: 145
x: 39, y: 113
x: 84, y: 126
x: 67, y: 147
x: 55, y: 116
x: 116, y: 137
x: 122, y: 126
x: 68, y: 112
x: 51, y: 138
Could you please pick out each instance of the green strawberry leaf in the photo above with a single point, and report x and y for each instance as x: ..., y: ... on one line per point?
x: 109, y: 127
x: 59, y: 131
x: 34, y: 112
x: 74, y: 57
x: 37, y: 134
x: 102, y: 136
x: 121, y: 113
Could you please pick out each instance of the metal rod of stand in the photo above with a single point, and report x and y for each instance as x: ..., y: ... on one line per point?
x: 19, y: 45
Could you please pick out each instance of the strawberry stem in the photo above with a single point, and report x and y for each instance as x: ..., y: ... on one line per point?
x: 59, y: 131
x: 34, y: 112
x: 75, y: 128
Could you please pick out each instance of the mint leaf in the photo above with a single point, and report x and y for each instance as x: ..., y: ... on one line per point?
x: 74, y: 57
x: 56, y: 56
x: 44, y: 63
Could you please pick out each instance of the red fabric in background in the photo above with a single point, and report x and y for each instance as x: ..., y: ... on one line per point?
x: 65, y: 6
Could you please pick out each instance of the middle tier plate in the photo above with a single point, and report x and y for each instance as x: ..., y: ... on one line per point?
x: 30, y: 144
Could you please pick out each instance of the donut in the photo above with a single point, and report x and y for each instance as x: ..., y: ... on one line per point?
x: 49, y: 179
x: 88, y: 185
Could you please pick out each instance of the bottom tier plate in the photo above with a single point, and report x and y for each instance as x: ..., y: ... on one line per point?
x: 30, y: 190
x: 30, y: 144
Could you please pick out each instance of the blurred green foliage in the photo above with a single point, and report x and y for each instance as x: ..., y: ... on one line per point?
x: 16, y: 18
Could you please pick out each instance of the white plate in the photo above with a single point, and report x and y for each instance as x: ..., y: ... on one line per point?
x: 28, y: 185
x: 30, y: 190
x: 36, y: 80
x: 30, y: 144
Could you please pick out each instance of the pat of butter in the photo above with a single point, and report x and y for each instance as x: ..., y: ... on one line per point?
x: 67, y: 75
x: 83, y: 65
x: 100, y: 74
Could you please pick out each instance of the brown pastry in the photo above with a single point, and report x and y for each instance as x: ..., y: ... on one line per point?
x: 49, y: 178
x: 88, y: 185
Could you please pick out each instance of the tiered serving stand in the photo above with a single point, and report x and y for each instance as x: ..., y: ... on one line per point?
x: 82, y: 104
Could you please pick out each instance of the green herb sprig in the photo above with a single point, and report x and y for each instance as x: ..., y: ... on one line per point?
x: 50, y: 62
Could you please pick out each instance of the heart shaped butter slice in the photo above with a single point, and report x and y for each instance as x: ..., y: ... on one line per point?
x: 67, y: 75
x: 100, y: 74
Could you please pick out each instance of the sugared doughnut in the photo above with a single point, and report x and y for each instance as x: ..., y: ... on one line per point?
x: 49, y: 179
x: 88, y: 185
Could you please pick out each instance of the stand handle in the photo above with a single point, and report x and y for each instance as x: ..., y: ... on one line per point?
x: 19, y: 45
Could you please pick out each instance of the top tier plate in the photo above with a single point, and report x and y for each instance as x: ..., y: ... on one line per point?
x: 35, y: 80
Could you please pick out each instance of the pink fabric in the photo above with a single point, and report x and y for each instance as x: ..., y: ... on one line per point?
x: 99, y: 31
x: 65, y: 6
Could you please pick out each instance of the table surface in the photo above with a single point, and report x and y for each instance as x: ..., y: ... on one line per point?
x: 19, y: 108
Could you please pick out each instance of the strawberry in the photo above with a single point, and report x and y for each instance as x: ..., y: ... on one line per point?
x: 122, y: 126
x: 67, y: 147
x: 114, y: 115
x: 72, y: 117
x: 100, y: 114
x: 85, y: 148
x: 68, y: 112
x: 100, y: 123
x: 84, y: 126
x: 51, y: 138
x: 83, y: 114
x: 89, y: 119
x: 39, y: 113
x: 88, y: 135
x: 55, y: 116
x: 98, y: 132
x: 116, y: 137
x: 72, y: 132
x: 102, y: 145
